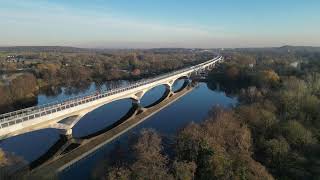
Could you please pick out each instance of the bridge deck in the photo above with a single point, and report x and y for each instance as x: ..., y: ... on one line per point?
x: 54, y: 166
x: 16, y: 119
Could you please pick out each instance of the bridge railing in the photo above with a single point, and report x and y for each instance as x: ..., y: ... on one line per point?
x: 19, y: 116
x: 70, y: 99
x: 38, y: 108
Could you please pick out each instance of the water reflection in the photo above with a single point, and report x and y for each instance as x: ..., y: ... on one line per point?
x: 102, y: 117
x: 31, y: 145
x: 153, y: 95
x: 58, y: 93
x: 178, y: 84
x: 192, y: 107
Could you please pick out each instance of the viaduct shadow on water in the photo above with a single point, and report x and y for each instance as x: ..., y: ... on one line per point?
x: 154, y: 96
x: 69, y: 144
x: 159, y: 93
x: 66, y: 144
x: 180, y: 84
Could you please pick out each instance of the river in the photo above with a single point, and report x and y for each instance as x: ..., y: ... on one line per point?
x: 194, y: 106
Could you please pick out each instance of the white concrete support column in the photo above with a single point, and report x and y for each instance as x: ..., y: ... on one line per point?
x: 65, y: 132
x: 169, y: 91
x: 169, y: 87
x: 136, y: 102
x: 65, y: 127
x: 51, y: 115
x: 68, y: 132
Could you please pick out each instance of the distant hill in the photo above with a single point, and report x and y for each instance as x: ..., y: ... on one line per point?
x: 45, y: 49
x: 66, y: 49
x: 76, y: 49
x: 282, y: 49
x: 300, y: 48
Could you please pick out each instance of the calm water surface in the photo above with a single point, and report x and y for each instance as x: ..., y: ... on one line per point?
x: 192, y: 107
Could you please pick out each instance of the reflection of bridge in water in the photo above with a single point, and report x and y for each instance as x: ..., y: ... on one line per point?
x: 64, y: 115
x: 56, y: 161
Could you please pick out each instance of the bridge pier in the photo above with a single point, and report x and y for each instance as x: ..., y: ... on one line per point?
x: 60, y: 115
x: 66, y: 132
x: 169, y: 92
x: 139, y: 108
x: 65, y: 126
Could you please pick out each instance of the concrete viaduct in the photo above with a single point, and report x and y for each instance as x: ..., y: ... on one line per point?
x: 64, y: 115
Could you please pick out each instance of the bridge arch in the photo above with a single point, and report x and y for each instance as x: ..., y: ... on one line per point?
x: 155, y: 95
x: 180, y: 83
x: 105, y: 118
x: 105, y: 115
x: 40, y: 117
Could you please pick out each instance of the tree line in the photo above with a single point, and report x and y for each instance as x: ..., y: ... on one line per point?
x: 22, y: 81
x: 272, y: 134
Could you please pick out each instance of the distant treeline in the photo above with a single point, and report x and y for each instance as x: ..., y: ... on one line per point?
x: 274, y: 132
x: 51, y: 69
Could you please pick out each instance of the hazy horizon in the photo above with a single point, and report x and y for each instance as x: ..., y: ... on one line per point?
x: 159, y: 24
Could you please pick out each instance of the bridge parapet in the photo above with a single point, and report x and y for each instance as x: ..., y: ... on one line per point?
x: 16, y: 117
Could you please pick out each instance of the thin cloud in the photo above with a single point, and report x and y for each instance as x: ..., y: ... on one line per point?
x: 96, y: 26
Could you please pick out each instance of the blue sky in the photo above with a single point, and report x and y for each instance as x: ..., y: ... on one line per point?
x: 160, y: 23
